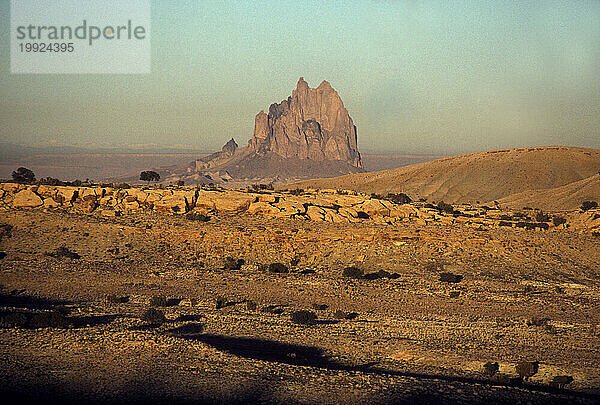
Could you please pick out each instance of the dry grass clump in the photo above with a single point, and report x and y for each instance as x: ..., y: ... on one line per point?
x: 304, y: 317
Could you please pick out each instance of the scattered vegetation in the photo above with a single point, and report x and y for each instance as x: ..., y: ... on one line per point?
x: 304, y: 317
x: 260, y: 187
x: 195, y: 216
x: 278, y: 268
x: 154, y: 316
x: 443, y: 207
x: 527, y: 369
x: 232, y: 264
x: 588, y: 205
x: 63, y: 251
x: 490, y: 368
x: 23, y: 175
x: 353, y: 272
x: 561, y: 380
x: 447, y: 277
x: 296, y: 191
x: 221, y: 302
x: 542, y: 217
x: 149, y: 176
x: 557, y: 221
x: 158, y: 301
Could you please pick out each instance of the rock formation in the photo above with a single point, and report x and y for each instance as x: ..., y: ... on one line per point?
x: 310, y: 124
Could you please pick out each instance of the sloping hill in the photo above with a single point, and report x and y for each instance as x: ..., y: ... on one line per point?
x: 476, y: 177
x: 567, y: 197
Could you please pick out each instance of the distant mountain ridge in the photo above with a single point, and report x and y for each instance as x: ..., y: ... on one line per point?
x: 482, y: 177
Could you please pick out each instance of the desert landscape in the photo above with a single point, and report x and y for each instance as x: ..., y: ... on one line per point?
x: 300, y: 202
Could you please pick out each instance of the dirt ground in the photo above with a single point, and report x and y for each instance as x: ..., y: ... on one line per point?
x: 525, y: 295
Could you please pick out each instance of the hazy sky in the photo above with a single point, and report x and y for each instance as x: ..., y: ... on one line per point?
x: 416, y: 76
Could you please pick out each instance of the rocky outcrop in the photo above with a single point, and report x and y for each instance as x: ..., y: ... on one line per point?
x: 310, y: 124
x: 336, y: 206
x: 217, y: 158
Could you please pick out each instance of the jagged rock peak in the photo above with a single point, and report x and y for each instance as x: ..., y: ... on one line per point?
x: 230, y: 147
x: 310, y: 124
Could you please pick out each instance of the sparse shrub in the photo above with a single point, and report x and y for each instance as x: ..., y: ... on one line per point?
x: 63, y: 251
x: 5, y: 231
x: 233, y: 264
x: 278, y: 268
x: 53, y: 319
x: 180, y: 183
x: 588, y: 205
x: 158, y: 301
x: 195, y: 216
x: 443, y: 207
x: 538, y: 321
x: 399, y: 198
x: 154, y: 316
x: 556, y: 220
x: 527, y: 369
x: 251, y: 305
x: 221, y: 302
x: 23, y: 175
x: 560, y: 381
x: 296, y: 191
x: 447, y: 277
x: 353, y: 272
x: 149, y: 176
x: 304, y: 317
x: 320, y: 307
x: 491, y: 368
x: 541, y: 217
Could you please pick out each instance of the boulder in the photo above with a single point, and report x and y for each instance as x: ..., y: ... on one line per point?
x: 263, y: 208
x: 229, y: 202
x: 50, y: 203
x: 374, y: 207
x: 315, y: 213
x: 27, y: 199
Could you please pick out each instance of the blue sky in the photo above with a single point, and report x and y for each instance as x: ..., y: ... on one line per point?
x: 416, y: 76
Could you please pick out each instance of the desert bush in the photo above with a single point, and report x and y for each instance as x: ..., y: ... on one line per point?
x: 560, y: 381
x: 304, y: 317
x: 296, y: 191
x: 527, y: 369
x: 542, y: 217
x: 447, y: 277
x: 63, y: 251
x: 180, y: 183
x: 153, y: 316
x: 490, y: 368
x: 588, y: 205
x: 53, y: 319
x: 232, y: 264
x: 443, y: 207
x: 538, y: 321
x: 278, y: 268
x: 399, y: 198
x: 251, y: 305
x: 221, y: 302
x: 23, y: 175
x: 556, y: 220
x: 158, y: 301
x: 353, y: 272
x: 149, y: 176
x: 195, y: 216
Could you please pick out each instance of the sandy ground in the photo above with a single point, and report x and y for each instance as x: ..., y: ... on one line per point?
x: 525, y: 295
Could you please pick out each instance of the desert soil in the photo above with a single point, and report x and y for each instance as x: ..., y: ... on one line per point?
x: 526, y: 295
